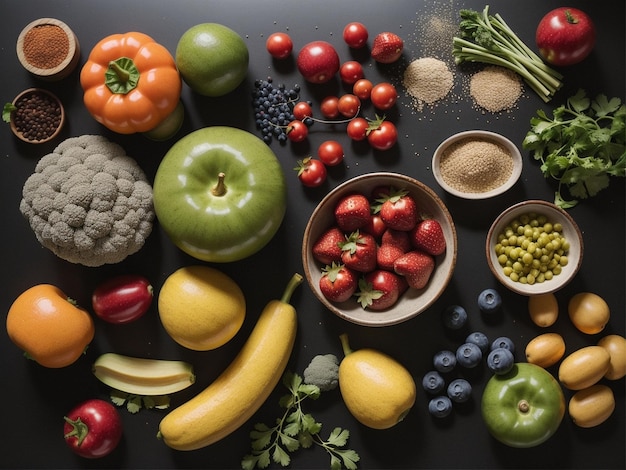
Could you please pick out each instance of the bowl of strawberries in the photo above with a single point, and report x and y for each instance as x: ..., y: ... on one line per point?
x: 379, y: 249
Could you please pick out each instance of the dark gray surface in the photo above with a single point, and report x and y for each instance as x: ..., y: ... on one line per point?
x: 35, y: 399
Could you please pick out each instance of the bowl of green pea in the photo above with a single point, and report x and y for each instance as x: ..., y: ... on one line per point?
x: 534, y: 247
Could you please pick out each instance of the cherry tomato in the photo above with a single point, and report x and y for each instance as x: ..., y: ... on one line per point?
x: 355, y: 35
x: 329, y: 107
x: 357, y: 128
x: 93, y: 429
x: 122, y: 299
x: 383, y: 95
x: 279, y: 45
x: 349, y: 105
x: 297, y: 131
x: 302, y: 110
x: 384, y: 136
x: 350, y: 72
x: 330, y: 152
x: 362, y: 88
x: 311, y: 172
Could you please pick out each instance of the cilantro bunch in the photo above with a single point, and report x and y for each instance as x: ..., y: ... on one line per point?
x: 296, y: 429
x: 580, y: 146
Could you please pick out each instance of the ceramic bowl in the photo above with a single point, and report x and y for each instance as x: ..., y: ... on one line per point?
x: 412, y: 302
x: 554, y: 215
x: 49, y: 96
x: 475, y: 182
x: 33, y: 51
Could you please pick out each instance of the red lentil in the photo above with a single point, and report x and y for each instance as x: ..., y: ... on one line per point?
x: 46, y: 46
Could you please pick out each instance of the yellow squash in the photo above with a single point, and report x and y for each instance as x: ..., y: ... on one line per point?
x: 243, y: 387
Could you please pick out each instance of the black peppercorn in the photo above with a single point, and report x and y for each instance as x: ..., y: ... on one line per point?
x: 37, y: 116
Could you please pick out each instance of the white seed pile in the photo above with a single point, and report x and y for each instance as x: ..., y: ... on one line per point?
x: 495, y: 88
x: 428, y: 80
x: 475, y: 165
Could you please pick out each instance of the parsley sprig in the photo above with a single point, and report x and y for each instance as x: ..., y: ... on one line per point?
x: 581, y: 145
x: 296, y: 429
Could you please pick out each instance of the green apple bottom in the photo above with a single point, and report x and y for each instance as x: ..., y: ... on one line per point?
x: 220, y: 194
x: 524, y: 407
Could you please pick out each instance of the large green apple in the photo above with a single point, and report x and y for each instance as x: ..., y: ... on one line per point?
x: 220, y: 194
x: 524, y: 407
x: 212, y: 59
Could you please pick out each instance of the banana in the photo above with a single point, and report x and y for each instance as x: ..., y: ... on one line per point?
x: 243, y: 386
x: 143, y: 376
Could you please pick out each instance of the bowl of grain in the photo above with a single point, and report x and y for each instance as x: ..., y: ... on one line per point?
x: 477, y: 164
x: 413, y: 301
x: 534, y: 247
x: 48, y: 49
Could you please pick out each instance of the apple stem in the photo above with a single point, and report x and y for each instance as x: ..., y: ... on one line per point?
x: 523, y: 406
x: 220, y: 188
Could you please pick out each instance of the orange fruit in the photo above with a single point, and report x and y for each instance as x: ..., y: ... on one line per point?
x: 49, y: 327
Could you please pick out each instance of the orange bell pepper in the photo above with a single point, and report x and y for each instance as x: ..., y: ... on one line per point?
x: 130, y: 83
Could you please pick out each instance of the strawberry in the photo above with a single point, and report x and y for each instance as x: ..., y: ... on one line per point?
x: 416, y: 267
x: 399, y: 210
x: 375, y: 226
x: 352, y: 212
x: 387, y: 48
x: 428, y: 236
x: 359, y: 252
x: 398, y: 238
x: 338, y: 283
x: 327, y: 248
x: 387, y: 254
x: 379, y: 289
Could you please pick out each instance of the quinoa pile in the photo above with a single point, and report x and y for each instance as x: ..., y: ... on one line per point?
x: 495, y: 88
x: 475, y: 165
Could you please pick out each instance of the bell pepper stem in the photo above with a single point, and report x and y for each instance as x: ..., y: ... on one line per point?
x: 79, y: 430
x: 123, y: 75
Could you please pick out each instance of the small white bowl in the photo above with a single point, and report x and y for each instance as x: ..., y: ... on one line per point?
x: 412, y: 302
x: 488, y: 136
x: 554, y: 214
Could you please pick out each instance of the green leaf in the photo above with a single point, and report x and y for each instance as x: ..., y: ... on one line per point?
x: 118, y: 397
x: 339, y: 437
x: 281, y: 457
x: 290, y: 443
x: 7, y: 110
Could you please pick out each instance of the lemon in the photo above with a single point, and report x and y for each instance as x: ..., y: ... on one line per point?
x: 377, y: 390
x: 201, y: 308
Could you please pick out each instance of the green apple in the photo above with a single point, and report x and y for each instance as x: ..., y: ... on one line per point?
x: 212, y: 59
x: 220, y: 194
x: 524, y: 407
x: 169, y: 126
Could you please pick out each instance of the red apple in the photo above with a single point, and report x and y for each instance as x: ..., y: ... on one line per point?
x: 318, y: 62
x: 565, y: 36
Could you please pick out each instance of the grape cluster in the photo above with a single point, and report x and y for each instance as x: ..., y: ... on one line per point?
x: 273, y: 108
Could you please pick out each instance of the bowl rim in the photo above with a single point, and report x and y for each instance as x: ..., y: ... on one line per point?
x: 29, y: 91
x: 488, y: 135
x: 69, y: 62
x: 538, y: 288
x: 371, y: 318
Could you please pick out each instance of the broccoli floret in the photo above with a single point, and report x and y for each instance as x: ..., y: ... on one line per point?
x: 88, y: 202
x: 323, y: 371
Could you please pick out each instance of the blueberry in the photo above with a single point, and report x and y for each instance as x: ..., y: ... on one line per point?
x: 489, y: 301
x: 500, y: 361
x: 503, y: 342
x: 479, y: 339
x: 468, y: 355
x: 459, y: 390
x: 444, y: 361
x: 454, y: 317
x: 433, y: 382
x: 440, y: 407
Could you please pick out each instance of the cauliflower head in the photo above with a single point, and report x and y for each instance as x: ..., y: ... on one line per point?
x: 88, y: 202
